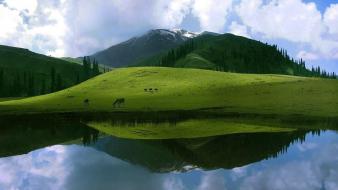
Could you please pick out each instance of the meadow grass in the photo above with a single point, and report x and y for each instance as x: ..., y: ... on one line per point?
x: 192, y: 128
x: 189, y: 89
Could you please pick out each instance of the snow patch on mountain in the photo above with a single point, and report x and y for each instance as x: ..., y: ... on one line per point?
x: 174, y: 34
x: 185, y: 33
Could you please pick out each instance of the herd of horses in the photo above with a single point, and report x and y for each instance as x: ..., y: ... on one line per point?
x: 117, y: 103
x: 120, y: 101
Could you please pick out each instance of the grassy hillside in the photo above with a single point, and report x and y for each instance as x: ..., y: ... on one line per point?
x: 20, y: 65
x: 189, y: 89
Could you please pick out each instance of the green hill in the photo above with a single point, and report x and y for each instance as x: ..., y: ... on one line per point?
x: 149, y: 89
x: 232, y: 53
x: 25, y: 73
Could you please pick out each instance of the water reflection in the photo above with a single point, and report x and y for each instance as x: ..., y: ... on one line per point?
x: 288, y: 160
x: 226, y: 151
x: 22, y: 137
x: 312, y: 164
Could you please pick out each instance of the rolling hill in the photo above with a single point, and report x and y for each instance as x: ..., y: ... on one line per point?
x: 148, y: 89
x: 137, y: 48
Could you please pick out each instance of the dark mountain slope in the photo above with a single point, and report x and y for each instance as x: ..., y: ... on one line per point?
x: 137, y: 48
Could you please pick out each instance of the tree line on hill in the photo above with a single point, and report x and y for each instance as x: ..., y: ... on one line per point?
x: 19, y: 83
x: 233, y: 55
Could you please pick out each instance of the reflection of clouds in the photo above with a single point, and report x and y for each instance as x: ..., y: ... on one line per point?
x: 172, y: 183
x: 77, y: 167
x: 212, y: 180
x: 307, y: 146
x: 318, y: 171
x: 91, y: 169
x: 239, y: 172
x: 32, y: 171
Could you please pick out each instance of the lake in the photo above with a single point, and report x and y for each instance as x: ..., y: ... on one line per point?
x: 78, y: 157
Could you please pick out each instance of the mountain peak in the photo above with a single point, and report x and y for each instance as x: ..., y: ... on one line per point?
x: 180, y: 34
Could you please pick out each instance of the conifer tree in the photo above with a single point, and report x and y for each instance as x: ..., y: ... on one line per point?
x: 59, y: 82
x: 2, y: 82
x: 43, y: 87
x: 31, y: 82
x: 53, y: 80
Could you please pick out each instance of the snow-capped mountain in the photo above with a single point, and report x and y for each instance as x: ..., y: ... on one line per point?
x: 139, y: 47
x: 180, y: 33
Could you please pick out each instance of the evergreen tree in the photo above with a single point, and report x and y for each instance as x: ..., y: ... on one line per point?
x: 2, y: 82
x: 59, y: 82
x: 78, y: 78
x: 87, y: 67
x: 31, y: 81
x: 43, y: 87
x: 95, y: 70
x: 53, y: 80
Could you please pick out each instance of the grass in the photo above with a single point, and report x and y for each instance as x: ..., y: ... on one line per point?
x: 186, y: 129
x: 10, y: 98
x: 189, y: 89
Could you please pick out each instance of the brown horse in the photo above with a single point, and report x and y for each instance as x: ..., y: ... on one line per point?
x: 86, y: 102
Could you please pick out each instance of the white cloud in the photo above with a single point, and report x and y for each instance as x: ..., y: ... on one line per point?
x: 331, y: 18
x: 307, y: 55
x: 239, y: 29
x: 10, y: 20
x: 172, y: 14
x: 287, y: 19
x: 36, y: 25
x: 212, y: 180
x: 26, y: 5
x: 295, y: 21
x: 212, y: 14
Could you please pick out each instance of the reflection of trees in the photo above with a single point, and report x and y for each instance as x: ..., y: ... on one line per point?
x: 90, y: 135
x: 235, y: 150
x: 226, y: 151
x: 19, y: 137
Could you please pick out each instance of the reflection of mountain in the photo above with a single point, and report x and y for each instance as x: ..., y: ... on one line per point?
x: 227, y: 151
x: 17, y: 137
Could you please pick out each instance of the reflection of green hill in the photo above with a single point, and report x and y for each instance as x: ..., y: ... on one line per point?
x: 227, y: 151
x: 234, y: 150
x: 152, y: 154
x: 18, y: 137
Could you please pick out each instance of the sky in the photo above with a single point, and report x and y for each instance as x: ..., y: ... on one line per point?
x: 308, y: 29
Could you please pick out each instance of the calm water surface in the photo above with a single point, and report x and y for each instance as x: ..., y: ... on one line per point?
x: 291, y: 160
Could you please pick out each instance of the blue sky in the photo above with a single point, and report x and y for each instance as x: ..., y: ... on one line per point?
x: 308, y: 29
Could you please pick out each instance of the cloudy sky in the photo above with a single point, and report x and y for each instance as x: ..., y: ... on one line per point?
x: 306, y: 28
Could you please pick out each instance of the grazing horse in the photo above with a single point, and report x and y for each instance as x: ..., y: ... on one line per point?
x: 86, y: 102
x: 118, y: 102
